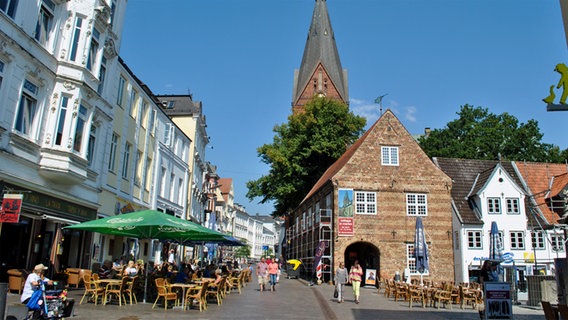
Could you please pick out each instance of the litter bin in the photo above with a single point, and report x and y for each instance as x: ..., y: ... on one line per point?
x: 3, y: 297
x: 293, y: 268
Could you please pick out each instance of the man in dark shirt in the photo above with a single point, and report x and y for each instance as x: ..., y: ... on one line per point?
x: 106, y: 271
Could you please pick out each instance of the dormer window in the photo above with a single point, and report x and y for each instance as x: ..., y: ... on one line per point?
x: 171, y: 104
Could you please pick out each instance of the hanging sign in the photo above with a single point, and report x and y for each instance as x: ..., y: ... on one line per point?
x: 11, y: 206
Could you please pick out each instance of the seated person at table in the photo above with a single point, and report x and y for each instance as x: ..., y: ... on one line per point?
x: 207, y: 273
x: 106, y: 271
x: 218, y: 277
x: 182, y: 276
x: 131, y: 270
x: 226, y: 269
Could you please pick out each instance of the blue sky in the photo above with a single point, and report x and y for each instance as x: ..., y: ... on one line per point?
x: 430, y: 57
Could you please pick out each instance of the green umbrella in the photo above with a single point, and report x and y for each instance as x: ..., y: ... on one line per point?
x: 150, y: 224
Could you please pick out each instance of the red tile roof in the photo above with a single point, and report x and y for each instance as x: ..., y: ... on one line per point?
x: 539, y: 178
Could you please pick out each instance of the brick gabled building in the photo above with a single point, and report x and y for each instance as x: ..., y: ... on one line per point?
x: 365, y: 207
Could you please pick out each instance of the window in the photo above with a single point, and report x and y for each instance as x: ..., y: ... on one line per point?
x: 75, y: 39
x: 416, y: 204
x: 512, y: 205
x: 537, y: 239
x: 365, y: 202
x: 1, y: 73
x: 91, y: 145
x: 410, y: 260
x: 60, y: 126
x: 557, y: 242
x: 80, y: 128
x: 493, y: 205
x: 144, y: 115
x: 474, y: 239
x: 389, y: 156
x: 112, y: 11
x: 44, y: 21
x: 317, y: 213
x: 27, y: 108
x: 517, y: 240
x: 163, y: 183
x: 310, y: 217
x: 120, y: 94
x: 9, y: 7
x: 172, y: 181
x: 133, y: 103
x: 139, y: 163
x: 126, y: 160
x: 171, y: 104
x: 152, y: 122
x: 93, y: 50
x: 148, y: 174
x: 102, y: 75
x: 113, y: 147
x: 180, y: 191
x: 168, y: 134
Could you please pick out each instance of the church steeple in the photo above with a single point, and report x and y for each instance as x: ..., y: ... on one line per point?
x: 320, y: 73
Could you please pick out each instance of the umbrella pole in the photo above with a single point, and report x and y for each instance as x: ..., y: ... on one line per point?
x: 148, y: 267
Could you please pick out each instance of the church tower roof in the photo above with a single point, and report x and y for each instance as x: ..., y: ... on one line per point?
x: 320, y: 72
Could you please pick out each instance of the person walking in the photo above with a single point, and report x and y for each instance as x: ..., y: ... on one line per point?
x: 355, y: 274
x: 262, y: 273
x: 340, y: 279
x: 273, y: 272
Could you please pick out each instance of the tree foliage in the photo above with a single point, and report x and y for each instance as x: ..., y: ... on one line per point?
x: 302, y: 150
x: 479, y: 134
x: 243, y: 251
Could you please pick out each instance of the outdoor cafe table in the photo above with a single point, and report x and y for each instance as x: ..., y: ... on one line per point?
x: 183, y: 287
x: 200, y: 281
x: 105, y: 282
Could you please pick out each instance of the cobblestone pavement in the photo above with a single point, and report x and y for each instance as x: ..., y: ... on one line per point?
x: 293, y: 299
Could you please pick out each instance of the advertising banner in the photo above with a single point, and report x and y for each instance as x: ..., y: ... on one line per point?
x: 345, y: 221
x: 370, y: 277
x: 11, y: 206
x: 498, y: 300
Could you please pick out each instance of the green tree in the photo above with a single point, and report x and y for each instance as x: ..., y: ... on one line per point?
x: 243, y: 251
x: 479, y: 134
x: 302, y: 150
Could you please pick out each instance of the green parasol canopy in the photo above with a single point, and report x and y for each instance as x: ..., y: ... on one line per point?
x: 151, y: 224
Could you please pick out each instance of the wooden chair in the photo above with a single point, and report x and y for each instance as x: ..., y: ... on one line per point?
x: 16, y: 280
x: 549, y: 312
x: 416, y: 293
x: 236, y: 282
x: 468, y: 296
x: 215, y: 290
x: 117, y: 290
x: 400, y: 291
x: 443, y: 296
x: 389, y: 288
x: 164, y: 292
x: 130, y: 289
x: 200, y: 296
x: 563, y: 310
x: 92, y: 289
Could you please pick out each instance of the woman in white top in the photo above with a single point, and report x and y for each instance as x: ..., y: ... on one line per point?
x: 130, y: 269
x: 32, y: 282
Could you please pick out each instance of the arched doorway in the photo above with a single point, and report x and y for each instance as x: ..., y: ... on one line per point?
x: 368, y: 255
